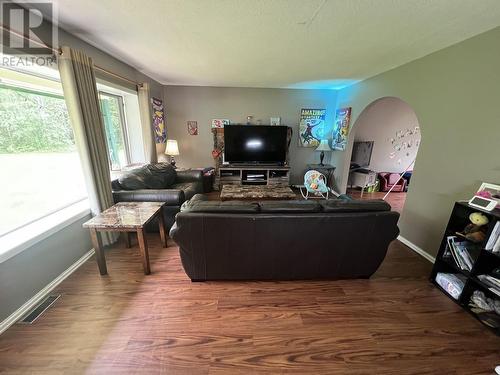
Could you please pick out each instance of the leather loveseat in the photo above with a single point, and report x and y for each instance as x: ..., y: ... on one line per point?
x: 158, y: 182
x: 283, y: 240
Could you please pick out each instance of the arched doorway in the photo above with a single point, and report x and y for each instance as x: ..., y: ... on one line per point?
x: 386, y: 141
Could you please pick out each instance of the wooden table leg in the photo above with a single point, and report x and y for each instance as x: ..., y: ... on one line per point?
x: 143, y: 246
x: 99, y: 252
x: 126, y: 237
x: 163, y: 232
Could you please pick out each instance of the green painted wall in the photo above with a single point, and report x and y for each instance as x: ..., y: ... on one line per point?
x: 455, y: 93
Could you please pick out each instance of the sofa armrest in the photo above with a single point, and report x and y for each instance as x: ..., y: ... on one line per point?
x: 195, y: 188
x: 171, y: 197
x: 173, y: 230
x: 190, y: 175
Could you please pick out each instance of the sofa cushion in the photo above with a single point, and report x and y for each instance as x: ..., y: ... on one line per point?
x: 163, y: 175
x: 151, y: 176
x: 220, y: 207
x: 342, y: 205
x: 134, y: 179
x: 293, y: 206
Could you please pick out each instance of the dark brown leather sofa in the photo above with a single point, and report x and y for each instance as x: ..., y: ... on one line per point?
x: 158, y: 182
x: 283, y: 240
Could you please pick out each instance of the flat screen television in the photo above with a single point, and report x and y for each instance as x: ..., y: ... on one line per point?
x: 362, y: 153
x: 255, y: 144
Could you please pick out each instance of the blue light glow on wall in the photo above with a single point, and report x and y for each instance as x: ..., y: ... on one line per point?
x: 329, y: 84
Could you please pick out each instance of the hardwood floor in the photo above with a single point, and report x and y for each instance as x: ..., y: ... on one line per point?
x: 396, y: 200
x: 129, y: 323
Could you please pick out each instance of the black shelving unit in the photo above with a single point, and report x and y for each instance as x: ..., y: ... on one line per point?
x: 484, y: 261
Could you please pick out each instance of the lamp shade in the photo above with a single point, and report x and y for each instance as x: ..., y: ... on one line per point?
x: 323, y: 146
x: 171, y: 148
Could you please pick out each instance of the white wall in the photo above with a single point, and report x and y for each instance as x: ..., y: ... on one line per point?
x: 390, y: 123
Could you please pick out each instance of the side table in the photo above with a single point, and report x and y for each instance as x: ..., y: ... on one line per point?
x: 126, y: 217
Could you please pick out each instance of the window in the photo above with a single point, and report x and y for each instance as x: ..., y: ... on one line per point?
x: 116, y: 131
x: 39, y: 166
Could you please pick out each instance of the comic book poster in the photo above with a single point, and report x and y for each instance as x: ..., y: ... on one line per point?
x: 311, y: 126
x: 341, y: 128
x: 159, y: 121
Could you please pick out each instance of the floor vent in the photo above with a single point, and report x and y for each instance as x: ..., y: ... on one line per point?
x: 39, y: 310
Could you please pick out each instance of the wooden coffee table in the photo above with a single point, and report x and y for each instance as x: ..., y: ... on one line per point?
x: 256, y: 192
x: 126, y: 217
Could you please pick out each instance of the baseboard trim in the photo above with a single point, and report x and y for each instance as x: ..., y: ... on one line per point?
x: 417, y: 249
x: 37, y: 298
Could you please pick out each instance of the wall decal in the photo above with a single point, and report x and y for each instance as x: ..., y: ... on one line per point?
x: 405, y: 140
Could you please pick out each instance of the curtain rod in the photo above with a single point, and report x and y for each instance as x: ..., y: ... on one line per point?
x: 58, y: 51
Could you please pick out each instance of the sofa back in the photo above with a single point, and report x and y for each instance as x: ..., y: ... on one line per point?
x: 148, y: 176
x: 283, y: 240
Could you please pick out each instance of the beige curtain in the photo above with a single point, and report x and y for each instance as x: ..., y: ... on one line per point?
x: 144, y: 95
x: 82, y: 99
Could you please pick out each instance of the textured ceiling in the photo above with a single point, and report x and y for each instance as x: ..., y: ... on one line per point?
x: 273, y: 43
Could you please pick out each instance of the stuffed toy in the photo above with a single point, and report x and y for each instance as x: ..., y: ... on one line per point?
x: 475, y: 231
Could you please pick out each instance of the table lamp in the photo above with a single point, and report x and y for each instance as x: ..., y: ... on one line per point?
x: 323, y: 146
x: 172, y: 149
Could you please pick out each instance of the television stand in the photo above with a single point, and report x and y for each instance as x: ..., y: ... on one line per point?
x: 254, y: 174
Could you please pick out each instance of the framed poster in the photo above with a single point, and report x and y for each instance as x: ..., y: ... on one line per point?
x: 311, y: 126
x: 159, y: 121
x: 219, y: 123
x: 341, y: 128
x: 192, y: 127
x: 275, y: 120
